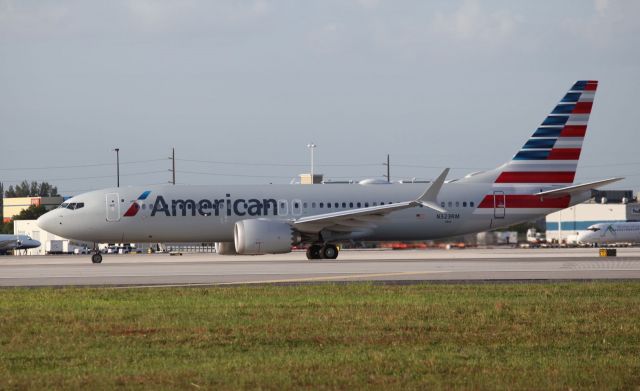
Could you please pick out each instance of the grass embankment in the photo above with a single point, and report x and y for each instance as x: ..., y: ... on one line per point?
x: 516, y: 336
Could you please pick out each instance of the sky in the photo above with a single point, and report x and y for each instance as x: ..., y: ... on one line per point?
x: 239, y: 88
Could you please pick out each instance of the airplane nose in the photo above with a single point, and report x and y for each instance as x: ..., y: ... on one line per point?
x: 46, y: 222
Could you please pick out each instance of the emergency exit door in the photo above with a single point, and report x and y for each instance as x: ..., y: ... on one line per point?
x: 113, y: 207
x: 499, y: 204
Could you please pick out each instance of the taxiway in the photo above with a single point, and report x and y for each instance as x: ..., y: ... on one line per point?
x: 388, y: 266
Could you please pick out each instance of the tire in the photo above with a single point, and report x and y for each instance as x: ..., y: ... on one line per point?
x: 329, y: 251
x: 96, y: 258
x: 313, y: 252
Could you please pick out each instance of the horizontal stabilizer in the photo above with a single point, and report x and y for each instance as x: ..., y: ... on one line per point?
x: 578, y: 188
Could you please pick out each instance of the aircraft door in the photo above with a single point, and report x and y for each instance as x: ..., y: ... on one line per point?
x: 113, y: 207
x: 499, y: 204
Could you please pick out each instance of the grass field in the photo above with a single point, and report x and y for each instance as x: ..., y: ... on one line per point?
x: 483, y: 336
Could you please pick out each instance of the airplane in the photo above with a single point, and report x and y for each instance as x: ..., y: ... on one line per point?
x: 605, y: 233
x: 270, y: 219
x: 16, y: 242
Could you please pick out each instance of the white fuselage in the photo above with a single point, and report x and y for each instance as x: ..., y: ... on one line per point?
x: 208, y: 213
x: 605, y: 233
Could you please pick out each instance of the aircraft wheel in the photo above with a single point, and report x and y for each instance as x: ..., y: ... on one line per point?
x: 313, y: 252
x: 329, y: 251
x: 96, y: 258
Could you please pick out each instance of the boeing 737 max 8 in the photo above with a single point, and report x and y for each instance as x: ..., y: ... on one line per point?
x: 264, y: 219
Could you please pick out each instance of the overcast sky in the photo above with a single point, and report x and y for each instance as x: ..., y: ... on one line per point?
x: 250, y: 83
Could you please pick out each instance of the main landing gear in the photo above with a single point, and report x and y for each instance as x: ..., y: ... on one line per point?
x: 327, y: 251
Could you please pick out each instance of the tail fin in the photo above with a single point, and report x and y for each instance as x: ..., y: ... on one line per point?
x: 551, y: 154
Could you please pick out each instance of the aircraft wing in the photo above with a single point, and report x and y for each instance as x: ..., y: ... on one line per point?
x: 363, y: 218
x: 577, y: 188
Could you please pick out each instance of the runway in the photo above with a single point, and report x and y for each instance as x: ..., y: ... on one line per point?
x: 388, y: 266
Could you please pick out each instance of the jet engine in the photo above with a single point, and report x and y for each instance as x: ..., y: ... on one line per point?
x: 263, y: 236
x: 226, y: 248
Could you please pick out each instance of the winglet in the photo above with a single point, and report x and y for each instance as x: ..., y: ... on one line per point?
x: 429, y: 197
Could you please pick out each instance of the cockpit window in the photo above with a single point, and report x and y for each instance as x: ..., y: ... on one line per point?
x: 593, y: 229
x: 72, y: 205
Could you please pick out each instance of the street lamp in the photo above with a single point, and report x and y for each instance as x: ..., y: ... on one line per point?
x: 117, y: 166
x: 312, y: 146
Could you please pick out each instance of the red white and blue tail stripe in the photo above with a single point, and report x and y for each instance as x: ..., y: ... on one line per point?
x: 547, y: 160
x: 551, y: 154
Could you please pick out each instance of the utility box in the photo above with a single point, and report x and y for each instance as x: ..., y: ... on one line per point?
x: 608, y: 252
x: 56, y: 246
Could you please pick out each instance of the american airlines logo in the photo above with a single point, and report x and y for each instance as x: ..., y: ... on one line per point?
x: 135, y: 207
x: 214, y: 207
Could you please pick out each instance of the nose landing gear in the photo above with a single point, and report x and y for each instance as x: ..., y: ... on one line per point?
x: 327, y: 251
x: 96, y: 257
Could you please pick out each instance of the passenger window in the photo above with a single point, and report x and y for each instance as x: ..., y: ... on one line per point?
x: 471, y: 204
x: 366, y: 204
x: 337, y: 205
x: 442, y: 204
x: 358, y: 204
x: 375, y: 204
x: 450, y: 204
x: 464, y: 204
x: 296, y: 205
x: 457, y: 204
x: 382, y: 203
x: 344, y: 204
x: 313, y: 204
x: 350, y: 204
x: 328, y: 204
x: 322, y: 204
x: 304, y: 205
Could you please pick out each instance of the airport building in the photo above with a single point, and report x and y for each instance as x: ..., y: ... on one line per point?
x: 13, y: 206
x: 608, y: 206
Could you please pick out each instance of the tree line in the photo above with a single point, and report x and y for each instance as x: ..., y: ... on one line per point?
x: 25, y: 189
x: 31, y: 189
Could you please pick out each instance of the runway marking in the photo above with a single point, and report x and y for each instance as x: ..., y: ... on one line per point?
x: 285, y: 280
x: 329, y: 278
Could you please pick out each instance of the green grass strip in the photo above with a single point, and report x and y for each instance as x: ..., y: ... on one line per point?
x: 351, y: 336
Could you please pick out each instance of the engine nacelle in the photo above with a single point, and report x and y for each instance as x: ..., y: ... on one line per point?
x: 263, y: 236
x: 226, y: 248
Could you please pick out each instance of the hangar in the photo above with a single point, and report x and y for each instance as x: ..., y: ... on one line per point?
x: 605, y: 207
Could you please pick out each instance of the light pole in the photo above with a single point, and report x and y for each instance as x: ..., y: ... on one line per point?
x: 117, y: 166
x: 312, y: 146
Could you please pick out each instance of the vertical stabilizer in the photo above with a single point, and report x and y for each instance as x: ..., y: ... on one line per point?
x: 550, y: 156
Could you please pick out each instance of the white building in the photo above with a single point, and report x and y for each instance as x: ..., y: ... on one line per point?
x: 565, y: 225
